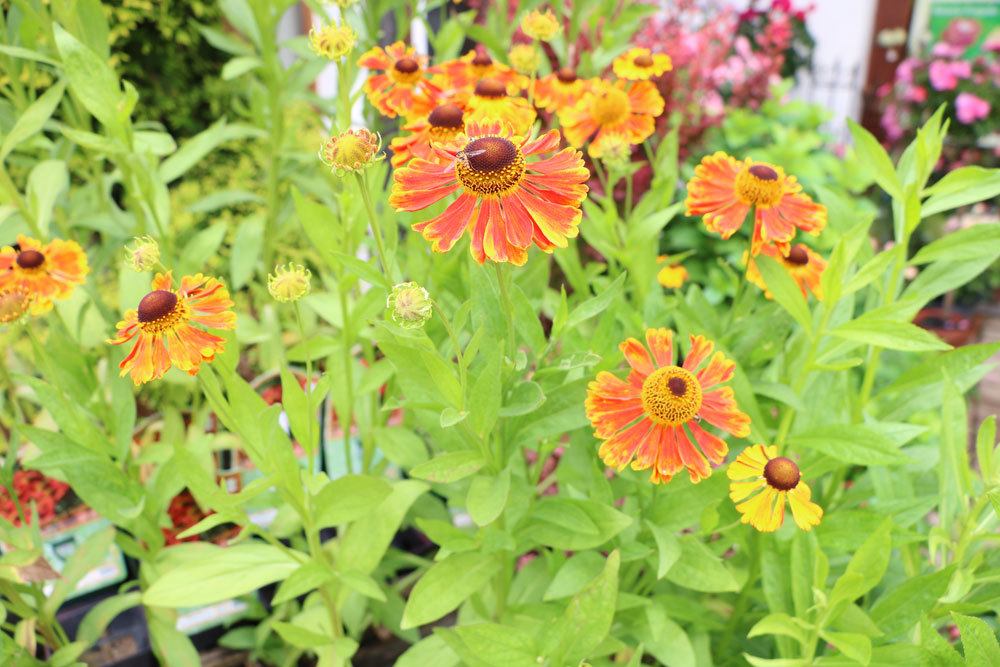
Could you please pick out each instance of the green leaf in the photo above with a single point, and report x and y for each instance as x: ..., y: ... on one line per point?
x: 401, y: 446
x: 963, y: 186
x: 865, y: 568
x: 307, y: 577
x: 99, y: 616
x: 699, y: 569
x: 985, y: 449
x: 595, y: 305
x: 487, y: 497
x: 665, y: 640
x: 871, y: 270
x: 197, y: 147
x: 969, y: 243
x: 360, y: 582
x: 575, y: 573
x: 574, y: 524
x: 979, y: 641
x: 851, y: 444
x: 91, y: 80
x: 247, y: 250
x: 526, y: 398
x: 299, y: 636
x: 239, y: 66
x: 484, y: 398
x: 785, y: 291
x: 587, y: 619
x: 349, y: 498
x: 937, y: 647
x: 33, y: 119
x: 449, y: 467
x: 890, y: 334
x: 900, y: 609
x: 668, y: 546
x: 873, y: 156
x: 366, y: 540
x: 854, y: 646
x: 446, y: 585
x: 780, y: 624
x: 199, y: 573
x: 431, y: 650
x: 88, y: 556
x: 489, y: 645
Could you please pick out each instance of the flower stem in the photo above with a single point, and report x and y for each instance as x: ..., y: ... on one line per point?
x: 503, y: 278
x: 376, y: 228
x: 310, y: 443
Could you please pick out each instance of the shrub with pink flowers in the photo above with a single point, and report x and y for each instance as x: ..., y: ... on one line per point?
x: 966, y: 87
x: 724, y: 58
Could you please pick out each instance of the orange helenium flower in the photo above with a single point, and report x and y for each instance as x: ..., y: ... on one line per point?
x: 611, y: 109
x: 724, y: 190
x: 803, y: 265
x: 404, y: 88
x: 473, y: 67
x: 760, y: 468
x: 508, y: 198
x: 654, y: 415
x: 442, y: 124
x: 639, y: 64
x: 560, y: 90
x: 490, y: 102
x: 45, y: 272
x: 163, y: 326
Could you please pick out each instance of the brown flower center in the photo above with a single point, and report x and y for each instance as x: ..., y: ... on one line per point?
x: 490, y: 166
x: 491, y: 88
x: 797, y: 256
x: 760, y: 185
x: 610, y: 107
x: 763, y: 172
x: 671, y: 395
x: 782, y: 474
x: 482, y: 60
x: 643, y: 60
x: 30, y: 259
x: 566, y: 74
x: 407, y: 65
x: 157, y: 305
x: 446, y: 115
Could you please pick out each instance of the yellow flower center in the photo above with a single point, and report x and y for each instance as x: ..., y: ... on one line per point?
x: 350, y: 150
x: 30, y: 259
x: 490, y: 166
x: 782, y: 474
x: 643, y: 60
x: 490, y: 88
x: 611, y: 106
x: 160, y: 310
x: 797, y: 256
x: 760, y: 186
x: 671, y: 395
x: 405, y: 71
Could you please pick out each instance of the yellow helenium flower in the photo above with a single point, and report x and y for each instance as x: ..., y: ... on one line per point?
x: 47, y: 271
x: 672, y: 276
x: 803, y: 265
x: 759, y: 468
x: 524, y: 58
x: 14, y: 303
x: 639, y: 64
x: 332, y: 41
x: 542, y: 26
x: 352, y: 150
x: 289, y: 283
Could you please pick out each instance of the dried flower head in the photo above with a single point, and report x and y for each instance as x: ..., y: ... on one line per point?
x: 410, y: 305
x: 524, y: 58
x: 143, y: 254
x: 543, y: 26
x: 289, y: 283
x: 332, y: 41
x: 614, y: 150
x: 351, y: 150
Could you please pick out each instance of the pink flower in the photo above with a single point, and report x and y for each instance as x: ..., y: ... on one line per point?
x: 969, y: 108
x: 945, y: 75
x: 904, y: 73
x: 916, y: 94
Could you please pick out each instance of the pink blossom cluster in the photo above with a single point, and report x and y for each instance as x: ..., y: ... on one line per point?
x: 714, y: 65
x: 967, y: 87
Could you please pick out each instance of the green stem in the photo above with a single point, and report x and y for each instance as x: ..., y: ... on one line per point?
x: 463, y: 380
x: 310, y: 445
x: 503, y: 276
x: 376, y: 228
x: 805, y: 370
